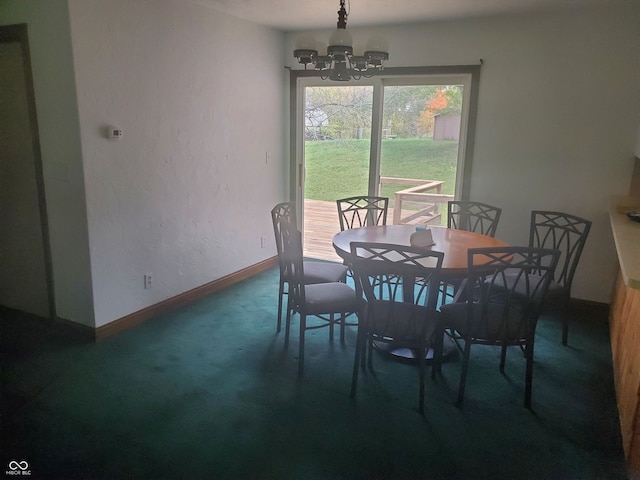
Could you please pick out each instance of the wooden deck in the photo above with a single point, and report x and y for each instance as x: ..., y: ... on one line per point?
x: 421, y: 203
x: 320, y: 225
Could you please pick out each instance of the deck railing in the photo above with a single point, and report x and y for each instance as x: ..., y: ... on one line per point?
x: 424, y: 195
x: 321, y: 217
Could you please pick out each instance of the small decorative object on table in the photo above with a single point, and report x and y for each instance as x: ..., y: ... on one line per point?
x: 422, y: 238
x: 634, y: 215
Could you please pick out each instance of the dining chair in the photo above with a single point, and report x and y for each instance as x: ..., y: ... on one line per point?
x: 473, y: 217
x: 314, y: 271
x: 491, y: 314
x: 400, y: 285
x: 329, y: 302
x: 362, y: 211
x: 567, y: 233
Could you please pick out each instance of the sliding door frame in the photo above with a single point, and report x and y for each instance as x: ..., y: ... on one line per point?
x: 389, y: 76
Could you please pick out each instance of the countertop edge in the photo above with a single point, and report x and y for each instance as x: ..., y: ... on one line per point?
x: 626, y: 235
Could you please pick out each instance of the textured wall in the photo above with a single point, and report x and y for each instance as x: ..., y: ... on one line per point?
x: 185, y: 195
x: 559, y: 106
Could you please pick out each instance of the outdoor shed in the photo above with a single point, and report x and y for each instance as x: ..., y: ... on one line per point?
x: 446, y: 126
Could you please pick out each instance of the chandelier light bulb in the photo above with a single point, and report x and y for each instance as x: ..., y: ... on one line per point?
x: 341, y: 38
x: 306, y: 42
x: 377, y: 44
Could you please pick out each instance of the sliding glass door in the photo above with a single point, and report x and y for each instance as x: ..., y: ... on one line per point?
x: 420, y: 149
x: 403, y: 137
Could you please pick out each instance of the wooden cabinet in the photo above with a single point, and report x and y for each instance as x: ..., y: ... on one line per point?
x: 624, y: 324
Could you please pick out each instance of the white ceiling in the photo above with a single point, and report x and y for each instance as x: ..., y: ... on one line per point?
x: 291, y: 15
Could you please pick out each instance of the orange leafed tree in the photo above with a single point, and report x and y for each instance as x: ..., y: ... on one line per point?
x: 435, y: 104
x: 438, y: 102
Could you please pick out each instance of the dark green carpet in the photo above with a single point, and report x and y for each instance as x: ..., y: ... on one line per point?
x: 208, y: 392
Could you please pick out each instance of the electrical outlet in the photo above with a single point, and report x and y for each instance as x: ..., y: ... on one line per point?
x: 147, y: 281
x: 263, y: 242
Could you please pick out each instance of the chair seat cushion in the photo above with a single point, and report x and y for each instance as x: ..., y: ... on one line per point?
x: 491, y: 326
x: 406, y: 323
x: 322, y: 272
x: 322, y: 298
x: 555, y: 292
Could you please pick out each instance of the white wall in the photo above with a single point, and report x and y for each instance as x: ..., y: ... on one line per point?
x: 50, y: 46
x: 185, y: 195
x: 559, y: 105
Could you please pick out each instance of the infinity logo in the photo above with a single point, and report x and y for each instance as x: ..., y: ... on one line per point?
x: 23, y: 465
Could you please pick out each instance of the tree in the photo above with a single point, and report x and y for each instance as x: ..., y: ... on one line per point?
x: 402, y: 107
x: 343, y: 111
x: 446, y: 100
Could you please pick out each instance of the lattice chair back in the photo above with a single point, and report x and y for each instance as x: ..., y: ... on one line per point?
x: 282, y: 211
x: 473, y: 217
x: 362, y: 211
x: 509, y: 284
x: 564, y: 232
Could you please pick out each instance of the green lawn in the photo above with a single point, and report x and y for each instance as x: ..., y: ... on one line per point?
x: 338, y: 169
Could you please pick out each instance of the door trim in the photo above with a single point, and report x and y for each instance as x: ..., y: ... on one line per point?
x: 19, y: 34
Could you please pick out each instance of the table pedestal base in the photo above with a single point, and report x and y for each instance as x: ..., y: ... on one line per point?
x: 449, y: 349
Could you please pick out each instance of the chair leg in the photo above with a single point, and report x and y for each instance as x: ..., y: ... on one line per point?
x: 303, y: 327
x: 565, y: 328
x: 563, y: 311
x: 529, y: 375
x: 463, y: 373
x: 503, y: 357
x: 280, y: 296
x: 437, y: 346
x: 422, y: 353
x: 370, y: 352
x: 287, y: 325
x: 360, y: 343
x: 343, y: 324
x: 332, y: 322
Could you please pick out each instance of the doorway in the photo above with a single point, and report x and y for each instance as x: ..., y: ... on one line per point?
x: 405, y: 137
x: 25, y: 277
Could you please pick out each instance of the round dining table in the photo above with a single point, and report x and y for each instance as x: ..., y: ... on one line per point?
x: 453, y: 243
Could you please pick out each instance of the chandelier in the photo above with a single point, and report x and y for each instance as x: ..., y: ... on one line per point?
x: 340, y: 64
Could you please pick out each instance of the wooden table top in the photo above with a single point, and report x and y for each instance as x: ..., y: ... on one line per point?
x: 453, y: 243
